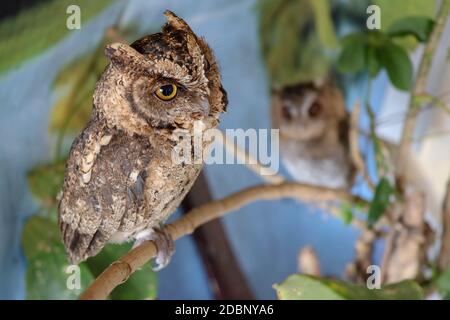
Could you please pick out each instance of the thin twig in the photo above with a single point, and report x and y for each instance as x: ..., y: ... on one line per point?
x: 308, y: 262
x: 355, y: 153
x: 253, y: 164
x: 119, y: 271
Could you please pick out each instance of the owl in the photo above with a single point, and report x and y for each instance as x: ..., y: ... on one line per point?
x: 121, y: 182
x: 314, y: 129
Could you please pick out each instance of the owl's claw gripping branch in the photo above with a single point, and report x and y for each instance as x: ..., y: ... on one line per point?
x: 164, y: 245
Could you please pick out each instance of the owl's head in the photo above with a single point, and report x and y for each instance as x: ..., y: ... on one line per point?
x: 166, y: 80
x: 305, y: 112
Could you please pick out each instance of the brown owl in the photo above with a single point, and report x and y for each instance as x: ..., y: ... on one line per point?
x: 121, y: 181
x: 314, y: 128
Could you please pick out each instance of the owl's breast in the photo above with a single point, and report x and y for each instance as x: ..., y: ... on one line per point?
x: 141, y: 181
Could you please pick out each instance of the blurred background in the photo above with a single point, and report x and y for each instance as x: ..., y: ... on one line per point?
x: 47, y: 74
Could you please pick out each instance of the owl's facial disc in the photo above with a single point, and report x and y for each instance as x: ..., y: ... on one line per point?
x: 165, y: 80
x: 302, y: 116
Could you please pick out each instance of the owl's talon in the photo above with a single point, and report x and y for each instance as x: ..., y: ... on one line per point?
x: 164, y: 245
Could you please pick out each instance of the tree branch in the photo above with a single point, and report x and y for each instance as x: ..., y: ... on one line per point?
x: 119, y: 271
x: 420, y: 87
x: 253, y: 164
x: 355, y: 152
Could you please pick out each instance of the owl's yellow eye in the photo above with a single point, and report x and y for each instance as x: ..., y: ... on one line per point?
x: 166, y: 92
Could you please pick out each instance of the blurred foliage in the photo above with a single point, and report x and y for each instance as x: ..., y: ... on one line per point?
x: 381, y: 199
x: 298, y: 41
x: 46, y: 256
x: 45, y: 182
x: 443, y: 284
x: 347, y: 212
x: 373, y: 51
x: 294, y: 37
x: 323, y: 23
x: 305, y: 287
x: 36, y: 29
x: 75, y: 84
x: 46, y: 276
x: 394, y: 10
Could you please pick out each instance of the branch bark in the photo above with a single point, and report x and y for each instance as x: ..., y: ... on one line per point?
x: 253, y: 164
x: 357, y: 270
x: 404, y: 252
x: 119, y: 271
x: 355, y: 152
x: 308, y: 262
x: 420, y: 88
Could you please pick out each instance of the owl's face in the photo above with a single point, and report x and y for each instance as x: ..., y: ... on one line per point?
x: 164, y: 101
x: 165, y: 80
x: 300, y: 112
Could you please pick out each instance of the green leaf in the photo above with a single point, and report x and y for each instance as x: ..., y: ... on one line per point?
x: 419, y: 27
x: 396, y: 61
x: 294, y: 50
x: 324, y: 23
x: 443, y: 284
x: 394, y: 10
x: 46, y: 276
x: 380, y: 201
x: 46, y: 181
x: 373, y: 65
x: 47, y: 262
x: 76, y: 82
x: 346, y: 212
x: 352, y: 57
x: 305, y: 287
x: 141, y: 285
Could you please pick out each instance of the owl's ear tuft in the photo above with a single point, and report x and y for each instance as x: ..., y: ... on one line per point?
x: 176, y: 23
x: 121, y: 53
x: 111, y: 49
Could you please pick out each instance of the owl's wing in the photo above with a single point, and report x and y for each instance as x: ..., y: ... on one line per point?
x: 84, y: 229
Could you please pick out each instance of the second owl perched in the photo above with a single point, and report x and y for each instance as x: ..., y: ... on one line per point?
x: 314, y: 128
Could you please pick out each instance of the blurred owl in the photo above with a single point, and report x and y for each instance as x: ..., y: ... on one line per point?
x: 120, y: 181
x: 314, y: 128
